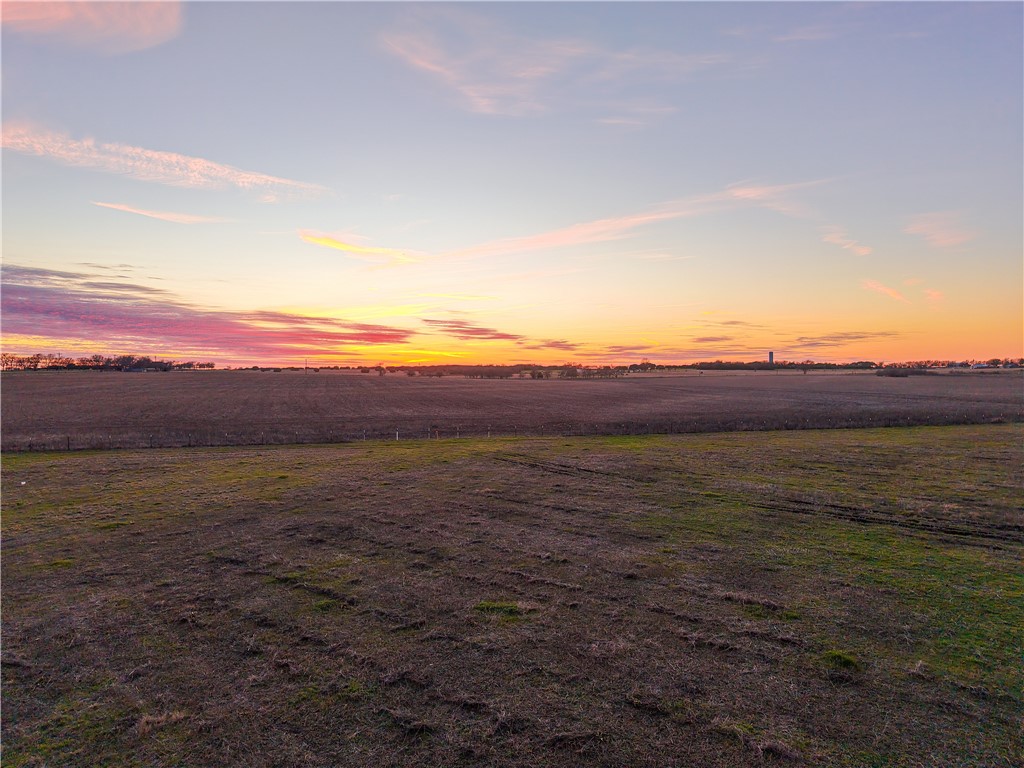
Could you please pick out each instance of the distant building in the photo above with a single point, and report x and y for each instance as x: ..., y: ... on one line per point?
x: 771, y: 358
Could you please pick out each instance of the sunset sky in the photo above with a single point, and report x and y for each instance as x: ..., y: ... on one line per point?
x: 348, y: 183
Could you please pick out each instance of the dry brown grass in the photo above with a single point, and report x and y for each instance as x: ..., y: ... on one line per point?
x: 91, y: 409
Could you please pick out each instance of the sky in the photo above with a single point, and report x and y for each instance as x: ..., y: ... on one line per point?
x: 497, y: 183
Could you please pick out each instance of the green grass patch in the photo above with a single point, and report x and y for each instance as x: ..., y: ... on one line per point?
x: 843, y: 660
x: 113, y: 524
x: 498, y: 608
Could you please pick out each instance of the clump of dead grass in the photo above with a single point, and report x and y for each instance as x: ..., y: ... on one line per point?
x: 149, y: 723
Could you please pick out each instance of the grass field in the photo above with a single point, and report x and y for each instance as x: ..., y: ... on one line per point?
x: 836, y: 598
x: 91, y: 409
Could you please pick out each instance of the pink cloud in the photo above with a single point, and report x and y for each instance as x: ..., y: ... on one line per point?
x: 102, y: 27
x: 940, y: 229
x: 933, y: 296
x: 491, y: 79
x: 617, y: 227
x: 146, y: 164
x: 836, y: 236
x: 600, y: 230
x: 885, y: 290
x: 67, y: 305
x: 774, y: 197
x: 174, y: 218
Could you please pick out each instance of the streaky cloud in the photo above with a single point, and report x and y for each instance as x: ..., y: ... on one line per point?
x: 67, y: 305
x: 560, y: 344
x: 174, y: 218
x: 840, y: 338
x: 892, y: 293
x: 497, y: 72
x: 465, y: 330
x: 774, y: 196
x: 143, y: 164
x: 599, y: 230
x: 940, y: 229
x: 837, y: 236
x: 392, y: 255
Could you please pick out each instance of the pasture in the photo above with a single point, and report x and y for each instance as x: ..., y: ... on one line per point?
x: 836, y: 597
x: 89, y: 409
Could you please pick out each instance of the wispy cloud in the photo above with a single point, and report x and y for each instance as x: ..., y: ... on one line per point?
x: 773, y: 197
x: 147, y: 164
x: 839, y: 339
x: 174, y: 218
x: 941, y: 229
x: 497, y: 74
x: 559, y: 344
x: 892, y: 293
x: 599, y: 230
x: 367, y: 253
x: 465, y: 330
x: 68, y: 305
x: 618, y: 349
x: 712, y: 339
x: 934, y: 296
x: 837, y: 236
x: 101, y: 27
x: 495, y: 71
x: 776, y: 197
x: 739, y: 323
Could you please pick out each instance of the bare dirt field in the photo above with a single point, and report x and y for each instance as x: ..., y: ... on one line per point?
x: 90, y: 409
x: 821, y: 598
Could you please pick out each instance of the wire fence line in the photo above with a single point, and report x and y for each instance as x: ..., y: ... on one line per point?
x: 306, y: 432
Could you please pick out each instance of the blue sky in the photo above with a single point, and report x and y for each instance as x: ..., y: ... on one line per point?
x: 514, y: 182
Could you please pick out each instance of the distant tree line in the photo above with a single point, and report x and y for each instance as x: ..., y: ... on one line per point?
x: 55, y: 362
x: 568, y: 370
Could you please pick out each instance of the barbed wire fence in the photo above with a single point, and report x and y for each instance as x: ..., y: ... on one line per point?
x: 136, y: 436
